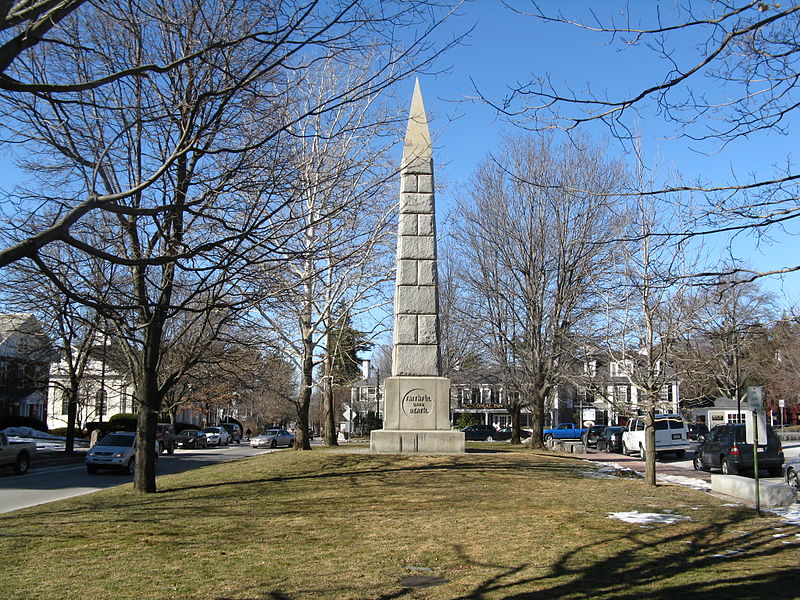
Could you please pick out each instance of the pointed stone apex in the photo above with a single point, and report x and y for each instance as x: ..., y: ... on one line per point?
x: 417, y: 151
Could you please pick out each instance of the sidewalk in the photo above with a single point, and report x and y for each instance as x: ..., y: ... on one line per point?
x: 637, y: 464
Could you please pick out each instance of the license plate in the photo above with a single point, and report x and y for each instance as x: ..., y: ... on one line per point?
x: 676, y: 436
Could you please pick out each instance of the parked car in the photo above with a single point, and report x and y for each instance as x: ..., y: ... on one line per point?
x: 610, y: 439
x: 16, y: 455
x: 671, y: 436
x: 234, y: 432
x: 115, y: 451
x: 216, y: 436
x: 191, y: 438
x: 791, y: 473
x: 480, y: 433
x: 725, y: 448
x: 564, y: 431
x: 272, y: 438
x: 697, y: 431
x: 589, y: 437
x: 504, y: 433
x: 165, y: 436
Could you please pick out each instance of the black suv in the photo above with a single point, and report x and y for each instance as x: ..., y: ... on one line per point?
x: 724, y: 447
x: 480, y: 433
x: 590, y: 436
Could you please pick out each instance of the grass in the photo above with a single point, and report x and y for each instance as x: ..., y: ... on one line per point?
x: 336, y: 525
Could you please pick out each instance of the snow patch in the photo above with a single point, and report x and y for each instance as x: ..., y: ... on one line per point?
x: 790, y: 514
x: 646, y: 518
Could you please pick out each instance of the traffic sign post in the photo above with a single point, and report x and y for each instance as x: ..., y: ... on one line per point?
x: 755, y: 400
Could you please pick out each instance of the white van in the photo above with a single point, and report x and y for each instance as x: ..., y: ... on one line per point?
x: 672, y: 435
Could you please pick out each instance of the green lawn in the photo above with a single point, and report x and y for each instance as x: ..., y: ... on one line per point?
x: 325, y: 524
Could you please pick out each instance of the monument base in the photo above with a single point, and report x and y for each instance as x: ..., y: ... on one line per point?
x: 387, y: 441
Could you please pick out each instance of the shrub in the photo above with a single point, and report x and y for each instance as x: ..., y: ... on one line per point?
x: 465, y: 420
x: 123, y: 422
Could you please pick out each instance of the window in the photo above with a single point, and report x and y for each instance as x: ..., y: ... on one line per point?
x: 621, y: 368
x: 64, y: 403
x: 621, y: 393
x: 590, y: 368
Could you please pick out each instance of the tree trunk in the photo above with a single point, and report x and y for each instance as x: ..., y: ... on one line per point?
x: 537, y: 416
x: 650, y: 442
x: 301, y: 441
x: 515, y: 410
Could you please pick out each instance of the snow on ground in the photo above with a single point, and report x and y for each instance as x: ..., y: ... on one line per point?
x: 44, y: 440
x: 608, y: 469
x: 641, y: 518
x: 790, y: 514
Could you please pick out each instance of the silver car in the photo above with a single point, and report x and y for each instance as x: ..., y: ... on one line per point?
x: 272, y: 438
x: 216, y: 436
x: 115, y: 451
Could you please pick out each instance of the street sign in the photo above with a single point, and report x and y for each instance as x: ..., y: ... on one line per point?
x: 781, y: 403
x: 350, y: 414
x: 755, y: 397
x: 757, y: 422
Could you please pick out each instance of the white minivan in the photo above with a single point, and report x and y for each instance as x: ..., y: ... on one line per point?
x: 672, y: 435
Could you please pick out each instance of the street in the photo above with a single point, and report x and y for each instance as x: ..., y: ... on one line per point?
x: 41, y: 485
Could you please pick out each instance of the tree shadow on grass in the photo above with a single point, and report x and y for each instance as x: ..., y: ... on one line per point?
x: 659, y: 563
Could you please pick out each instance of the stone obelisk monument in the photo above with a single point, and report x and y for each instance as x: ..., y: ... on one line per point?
x: 417, y: 398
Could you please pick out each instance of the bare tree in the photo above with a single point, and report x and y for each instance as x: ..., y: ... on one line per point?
x: 647, y: 313
x: 343, y: 210
x: 719, y: 72
x: 536, y: 248
x: 720, y: 355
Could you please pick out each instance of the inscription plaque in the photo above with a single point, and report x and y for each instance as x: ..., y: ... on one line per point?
x: 417, y: 403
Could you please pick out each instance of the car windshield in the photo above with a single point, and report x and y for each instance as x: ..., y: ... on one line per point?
x: 189, y: 433
x: 212, y: 429
x: 271, y: 432
x: 114, y: 439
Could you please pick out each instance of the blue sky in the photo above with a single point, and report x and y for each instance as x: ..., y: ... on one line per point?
x: 506, y: 48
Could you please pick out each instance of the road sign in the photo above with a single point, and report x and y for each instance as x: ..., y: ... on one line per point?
x: 756, y: 424
x: 755, y: 397
x: 781, y: 403
x: 350, y: 414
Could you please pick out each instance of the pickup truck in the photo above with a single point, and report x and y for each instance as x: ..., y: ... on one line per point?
x: 564, y: 431
x: 17, y: 455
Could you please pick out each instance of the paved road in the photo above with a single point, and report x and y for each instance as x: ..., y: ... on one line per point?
x: 41, y: 485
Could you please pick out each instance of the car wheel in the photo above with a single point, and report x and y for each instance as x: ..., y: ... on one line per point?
x: 547, y: 438
x: 697, y: 463
x: 625, y: 450
x: 22, y: 463
x: 680, y: 454
x: 132, y: 466
x: 273, y: 444
x: 728, y: 468
x: 91, y: 469
x: 792, y: 479
x: 290, y: 444
x: 489, y: 438
x: 641, y: 451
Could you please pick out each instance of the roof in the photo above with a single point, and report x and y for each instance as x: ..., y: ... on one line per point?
x: 22, y: 337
